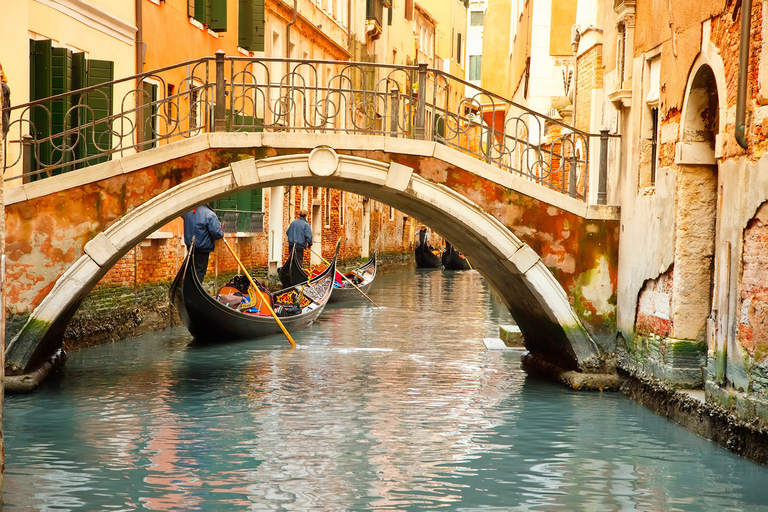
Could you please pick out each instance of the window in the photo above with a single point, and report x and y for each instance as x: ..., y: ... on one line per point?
x: 649, y: 141
x: 147, y: 116
x: 476, y: 18
x: 250, y: 25
x: 342, y: 206
x: 210, y: 13
x: 621, y: 37
x: 409, y: 10
x: 69, y: 133
x: 475, y: 62
x: 243, y: 211
x: 458, y: 48
x: 327, y: 207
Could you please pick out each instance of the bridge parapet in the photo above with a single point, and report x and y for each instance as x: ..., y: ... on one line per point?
x: 89, y: 126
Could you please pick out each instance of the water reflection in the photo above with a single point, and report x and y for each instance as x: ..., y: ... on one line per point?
x: 398, y: 408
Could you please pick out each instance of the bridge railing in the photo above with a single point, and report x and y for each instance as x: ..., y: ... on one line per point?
x: 82, y: 128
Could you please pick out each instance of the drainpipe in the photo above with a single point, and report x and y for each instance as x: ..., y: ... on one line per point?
x: 288, y: 31
x: 741, y: 94
x: 139, y: 39
x: 349, y: 26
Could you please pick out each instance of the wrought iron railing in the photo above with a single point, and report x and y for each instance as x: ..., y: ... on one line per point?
x: 63, y: 133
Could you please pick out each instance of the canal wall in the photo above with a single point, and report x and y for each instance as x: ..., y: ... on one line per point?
x: 702, y: 414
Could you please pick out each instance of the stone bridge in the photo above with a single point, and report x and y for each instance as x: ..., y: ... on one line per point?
x: 551, y: 258
x: 509, y: 187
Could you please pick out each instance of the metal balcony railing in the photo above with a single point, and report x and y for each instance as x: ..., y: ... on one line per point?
x: 239, y: 94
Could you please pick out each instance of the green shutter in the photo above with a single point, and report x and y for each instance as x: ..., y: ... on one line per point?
x: 250, y: 25
x: 40, y: 86
x: 98, y: 137
x: 79, y: 81
x: 218, y: 19
x: 202, y: 11
x: 61, y: 123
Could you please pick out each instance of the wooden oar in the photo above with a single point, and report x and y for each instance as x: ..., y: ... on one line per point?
x: 263, y: 299
x: 345, y: 277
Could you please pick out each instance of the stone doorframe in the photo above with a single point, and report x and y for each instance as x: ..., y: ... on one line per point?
x: 697, y: 254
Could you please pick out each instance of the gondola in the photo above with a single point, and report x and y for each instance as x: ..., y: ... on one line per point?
x: 426, y: 257
x: 291, y: 273
x: 362, y: 277
x: 209, y: 320
x: 454, y: 260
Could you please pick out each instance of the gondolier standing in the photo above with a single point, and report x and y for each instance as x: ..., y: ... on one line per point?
x: 299, y: 236
x: 202, y: 224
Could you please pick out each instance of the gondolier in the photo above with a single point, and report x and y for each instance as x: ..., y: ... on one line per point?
x: 202, y: 224
x: 299, y: 237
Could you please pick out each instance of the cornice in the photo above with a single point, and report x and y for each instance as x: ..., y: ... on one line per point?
x: 95, y: 18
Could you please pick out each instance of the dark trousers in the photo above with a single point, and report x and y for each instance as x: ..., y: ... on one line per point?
x: 201, y: 263
x: 299, y: 250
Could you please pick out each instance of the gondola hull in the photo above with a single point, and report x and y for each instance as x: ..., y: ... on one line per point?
x: 209, y: 320
x: 454, y: 260
x: 425, y: 258
x: 347, y: 292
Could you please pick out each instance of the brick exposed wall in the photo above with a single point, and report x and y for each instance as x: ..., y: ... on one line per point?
x: 590, y: 77
x: 753, y: 323
x: 654, y: 306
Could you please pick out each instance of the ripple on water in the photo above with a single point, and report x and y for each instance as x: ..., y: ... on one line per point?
x: 395, y: 408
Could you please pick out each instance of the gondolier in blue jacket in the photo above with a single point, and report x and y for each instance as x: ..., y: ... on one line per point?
x: 299, y: 236
x: 202, y: 224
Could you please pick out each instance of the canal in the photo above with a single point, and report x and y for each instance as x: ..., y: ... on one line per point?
x: 398, y: 408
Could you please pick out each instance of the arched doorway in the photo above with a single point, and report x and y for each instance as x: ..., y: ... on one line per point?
x: 696, y: 206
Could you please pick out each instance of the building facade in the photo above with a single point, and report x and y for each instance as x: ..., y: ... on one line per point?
x: 689, y: 172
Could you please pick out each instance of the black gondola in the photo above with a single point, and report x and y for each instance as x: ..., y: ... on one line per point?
x: 362, y: 277
x: 210, y: 320
x: 454, y: 260
x: 291, y: 273
x: 426, y: 257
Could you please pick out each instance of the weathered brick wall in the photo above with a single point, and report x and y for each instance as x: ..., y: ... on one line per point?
x: 753, y: 321
x: 654, y: 306
x: 590, y: 77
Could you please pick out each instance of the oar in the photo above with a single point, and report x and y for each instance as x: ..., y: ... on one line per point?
x: 345, y: 277
x: 264, y: 299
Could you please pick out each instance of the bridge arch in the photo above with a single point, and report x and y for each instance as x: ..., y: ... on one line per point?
x: 537, y: 301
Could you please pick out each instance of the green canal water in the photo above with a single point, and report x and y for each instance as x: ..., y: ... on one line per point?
x: 398, y: 408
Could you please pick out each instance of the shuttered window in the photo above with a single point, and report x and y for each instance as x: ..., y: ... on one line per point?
x: 250, y: 25
x: 245, y: 204
x: 218, y: 20
x: 65, y: 132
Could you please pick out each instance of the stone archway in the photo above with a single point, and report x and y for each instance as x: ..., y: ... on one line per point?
x: 696, y: 209
x: 552, y: 330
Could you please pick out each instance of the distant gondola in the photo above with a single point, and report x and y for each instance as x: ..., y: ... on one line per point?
x: 453, y: 259
x: 210, y: 320
x: 426, y: 257
x: 291, y: 273
x: 362, y: 277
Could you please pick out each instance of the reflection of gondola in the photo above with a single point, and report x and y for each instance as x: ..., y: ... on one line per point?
x: 453, y: 259
x: 210, y: 320
x: 362, y: 277
x: 291, y: 273
x: 426, y: 257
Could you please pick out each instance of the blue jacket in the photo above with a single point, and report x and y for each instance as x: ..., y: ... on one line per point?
x: 203, y: 224
x: 300, y: 233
